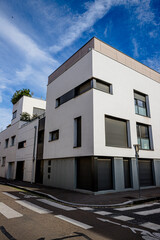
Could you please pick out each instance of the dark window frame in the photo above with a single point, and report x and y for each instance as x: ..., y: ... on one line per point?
x: 14, y: 114
x: 13, y: 140
x: 141, y: 102
x: 140, y: 138
x: 22, y: 144
x: 6, y: 142
x: 78, y: 132
x: 54, y: 135
x: 82, y: 88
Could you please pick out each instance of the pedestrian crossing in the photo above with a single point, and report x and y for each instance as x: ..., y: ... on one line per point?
x: 136, y: 215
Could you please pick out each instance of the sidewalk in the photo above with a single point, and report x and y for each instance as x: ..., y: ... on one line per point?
x: 76, y: 198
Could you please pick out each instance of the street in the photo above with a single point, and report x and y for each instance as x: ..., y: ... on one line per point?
x: 24, y: 216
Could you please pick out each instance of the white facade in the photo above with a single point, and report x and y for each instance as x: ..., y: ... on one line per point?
x: 22, y: 131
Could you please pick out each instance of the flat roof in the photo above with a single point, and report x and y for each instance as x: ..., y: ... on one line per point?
x: 107, y: 50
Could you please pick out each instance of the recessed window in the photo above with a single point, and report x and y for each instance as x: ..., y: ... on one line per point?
x: 22, y: 144
x: 84, y: 87
x: 3, y: 163
x: 141, y: 104
x: 14, y: 115
x: 117, y: 132
x: 6, y: 143
x: 77, y: 132
x: 102, y: 86
x: 54, y: 135
x: 144, y: 136
x: 13, y: 140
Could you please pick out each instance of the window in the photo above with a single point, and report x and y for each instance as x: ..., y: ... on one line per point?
x: 117, y: 132
x: 22, y: 144
x: 54, y: 135
x: 3, y: 161
x: 14, y: 114
x: 102, y: 86
x: 6, y: 143
x: 13, y: 140
x: 144, y: 136
x: 38, y: 111
x: 84, y: 87
x: 141, y: 104
x: 77, y: 132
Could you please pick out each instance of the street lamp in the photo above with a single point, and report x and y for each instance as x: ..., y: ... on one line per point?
x: 137, y: 147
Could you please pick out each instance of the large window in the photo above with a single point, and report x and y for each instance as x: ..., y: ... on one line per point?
x: 77, y: 132
x: 141, y: 104
x: 22, y: 144
x: 117, y: 132
x: 144, y: 136
x: 54, y: 135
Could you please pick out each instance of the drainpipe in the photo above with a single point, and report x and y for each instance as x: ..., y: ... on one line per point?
x: 34, y: 153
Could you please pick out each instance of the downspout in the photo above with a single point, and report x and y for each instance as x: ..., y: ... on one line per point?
x: 34, y: 153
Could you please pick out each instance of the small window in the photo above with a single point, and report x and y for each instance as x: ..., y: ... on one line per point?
x: 14, y: 114
x: 13, y: 140
x: 144, y: 136
x: 54, y: 135
x: 77, y: 132
x: 102, y: 86
x: 22, y: 144
x: 3, y: 163
x: 49, y: 162
x: 6, y: 143
x: 117, y: 132
x: 141, y: 104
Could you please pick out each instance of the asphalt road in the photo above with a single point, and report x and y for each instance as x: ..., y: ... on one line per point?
x: 24, y: 216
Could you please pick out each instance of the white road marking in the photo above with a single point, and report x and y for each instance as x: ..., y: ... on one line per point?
x: 8, y: 212
x: 33, y: 207
x: 148, y: 212
x: 86, y: 208
x: 56, y: 205
x: 136, y: 207
x: 74, y: 222
x: 103, y: 213
x: 150, y: 225
x: 123, y: 218
x: 10, y: 195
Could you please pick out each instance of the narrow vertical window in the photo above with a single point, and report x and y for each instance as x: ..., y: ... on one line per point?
x: 141, y: 103
x: 77, y: 132
x: 144, y: 136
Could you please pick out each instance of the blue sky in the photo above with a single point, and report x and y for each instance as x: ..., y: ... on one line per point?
x: 37, y: 36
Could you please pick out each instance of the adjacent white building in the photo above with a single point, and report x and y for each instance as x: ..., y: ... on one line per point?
x: 100, y: 103
x: 18, y: 142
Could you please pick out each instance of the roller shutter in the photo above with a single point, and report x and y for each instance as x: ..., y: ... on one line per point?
x: 145, y: 173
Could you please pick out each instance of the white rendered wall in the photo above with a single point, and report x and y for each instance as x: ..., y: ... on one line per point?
x: 121, y: 105
x: 26, y: 104
x: 10, y: 152
x: 62, y: 118
x: 27, y: 133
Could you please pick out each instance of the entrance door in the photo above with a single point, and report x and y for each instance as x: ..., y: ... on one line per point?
x: 20, y: 171
x: 10, y: 174
x: 39, y: 171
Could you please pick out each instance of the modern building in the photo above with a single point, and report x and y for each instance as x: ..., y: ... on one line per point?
x: 19, y: 141
x: 100, y: 103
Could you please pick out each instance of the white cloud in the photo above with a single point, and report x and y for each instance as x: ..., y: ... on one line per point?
x: 153, y: 63
x: 144, y: 13
x: 95, y: 11
x: 6, y: 114
x: 135, y: 48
